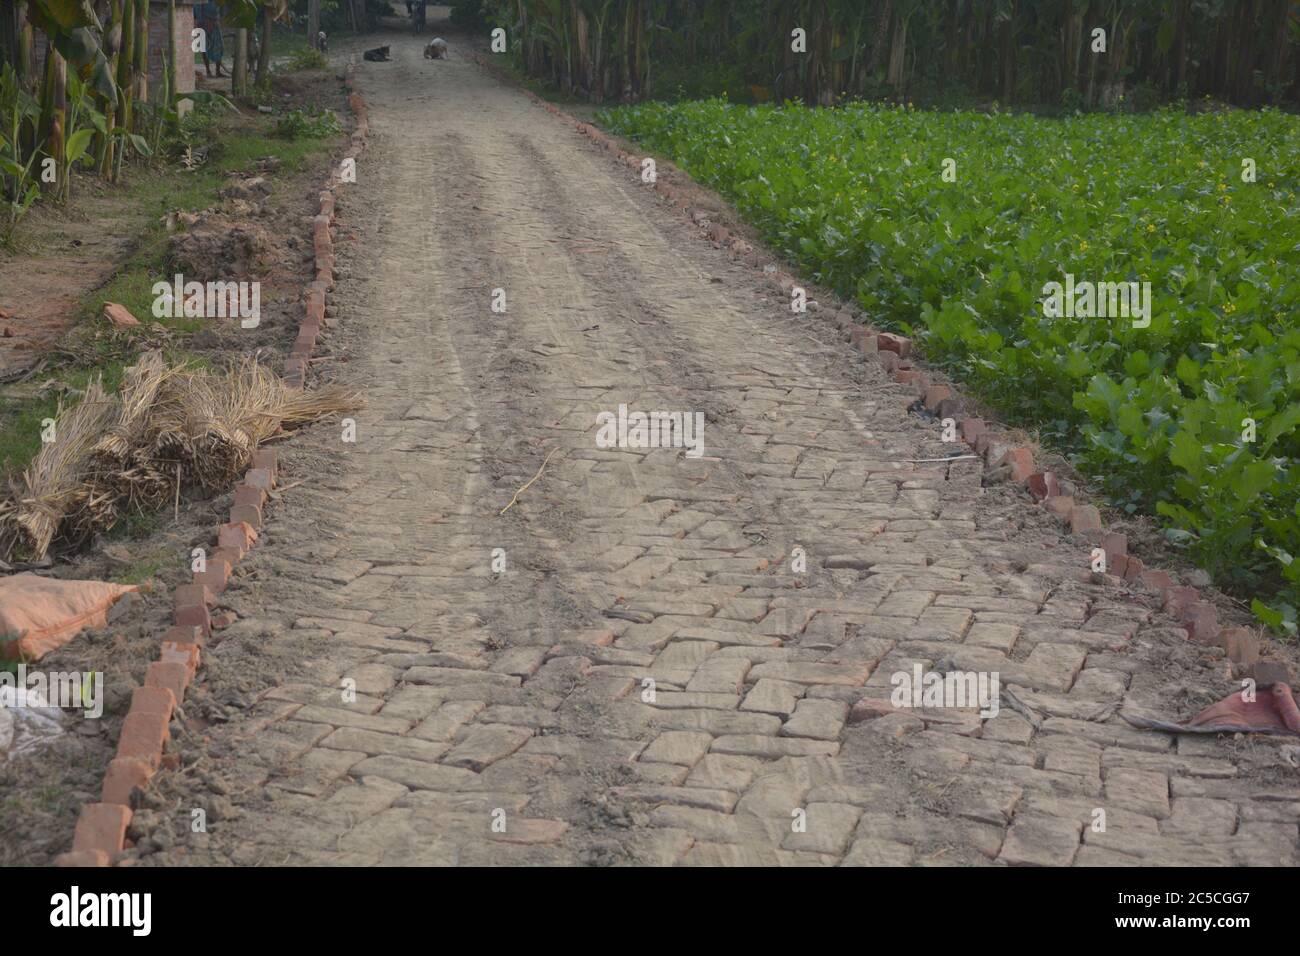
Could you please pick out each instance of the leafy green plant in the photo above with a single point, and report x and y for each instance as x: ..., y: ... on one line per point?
x: 310, y: 123
x: 308, y: 59
x: 1194, y: 419
x: 18, y: 109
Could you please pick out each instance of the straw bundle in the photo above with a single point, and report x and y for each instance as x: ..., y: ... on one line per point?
x: 119, y: 456
x: 52, y: 483
x: 120, y: 453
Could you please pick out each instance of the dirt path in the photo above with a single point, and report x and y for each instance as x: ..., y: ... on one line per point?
x: 512, y: 698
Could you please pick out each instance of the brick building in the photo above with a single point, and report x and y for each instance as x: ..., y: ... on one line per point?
x: 158, y: 44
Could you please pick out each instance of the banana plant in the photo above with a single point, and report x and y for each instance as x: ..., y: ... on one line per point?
x: 74, y: 30
x: 18, y: 109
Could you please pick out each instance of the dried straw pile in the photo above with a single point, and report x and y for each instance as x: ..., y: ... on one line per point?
x: 117, y: 454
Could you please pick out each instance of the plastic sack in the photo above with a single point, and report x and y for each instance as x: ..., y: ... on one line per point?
x: 38, y: 614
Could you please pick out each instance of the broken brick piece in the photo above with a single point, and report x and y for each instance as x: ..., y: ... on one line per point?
x: 1043, y: 485
x: 1084, y: 518
x: 1241, y: 646
x: 898, y: 344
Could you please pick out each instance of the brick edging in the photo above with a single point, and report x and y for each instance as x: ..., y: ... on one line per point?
x: 895, y: 354
x: 100, y: 835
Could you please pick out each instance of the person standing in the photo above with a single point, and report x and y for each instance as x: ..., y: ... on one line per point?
x: 208, y: 17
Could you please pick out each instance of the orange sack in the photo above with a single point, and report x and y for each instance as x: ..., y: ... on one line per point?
x: 39, y: 614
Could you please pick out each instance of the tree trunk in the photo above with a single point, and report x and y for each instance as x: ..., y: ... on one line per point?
x: 1006, y: 32
x: 141, y: 51
x: 897, y: 54
x: 313, y: 22
x: 1180, y: 47
x: 125, y: 75
x: 948, y: 67
x: 239, y: 73
x: 1244, y: 87
x: 882, y: 35
x: 264, y: 52
x: 171, y: 50
x: 54, y: 118
x: 1275, y: 60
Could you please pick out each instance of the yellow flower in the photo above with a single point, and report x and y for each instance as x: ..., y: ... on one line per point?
x: 1083, y: 246
x: 1151, y: 227
x: 1229, y: 308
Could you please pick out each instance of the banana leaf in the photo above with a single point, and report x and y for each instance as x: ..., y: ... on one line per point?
x: 75, y: 32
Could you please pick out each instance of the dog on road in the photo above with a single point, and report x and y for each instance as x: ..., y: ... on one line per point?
x: 436, y: 49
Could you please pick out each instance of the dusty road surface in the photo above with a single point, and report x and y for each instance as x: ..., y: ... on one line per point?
x: 652, y: 676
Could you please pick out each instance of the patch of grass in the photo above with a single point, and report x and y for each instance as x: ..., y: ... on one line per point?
x: 144, y: 569
x: 307, y: 58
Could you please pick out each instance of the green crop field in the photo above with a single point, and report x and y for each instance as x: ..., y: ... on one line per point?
x: 1191, y: 414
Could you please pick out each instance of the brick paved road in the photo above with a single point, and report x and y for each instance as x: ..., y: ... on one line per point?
x: 513, y: 698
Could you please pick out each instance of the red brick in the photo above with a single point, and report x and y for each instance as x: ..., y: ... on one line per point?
x: 1202, y: 622
x: 1133, y: 571
x: 101, y: 826
x: 215, y: 576
x: 124, y: 774
x: 81, y: 859
x: 223, y: 619
x: 1241, y: 646
x: 1156, y: 580
x: 183, y: 635
x: 1021, y: 462
x: 259, y: 478
x: 971, y: 429
x: 1116, y: 547
x: 910, y: 376
x: 936, y: 394
x: 170, y: 675
x: 1060, y: 505
x: 898, y: 344
x: 238, y: 538
x: 269, y: 459
x: 888, y: 361
x: 863, y: 339
x: 153, y: 700
x: 246, y: 513
x: 187, y: 654
x: 193, y: 614
x: 1084, y: 518
x: 1043, y: 485
x: 188, y: 594
x: 246, y: 494
x: 144, y: 735
x: 1177, y: 598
